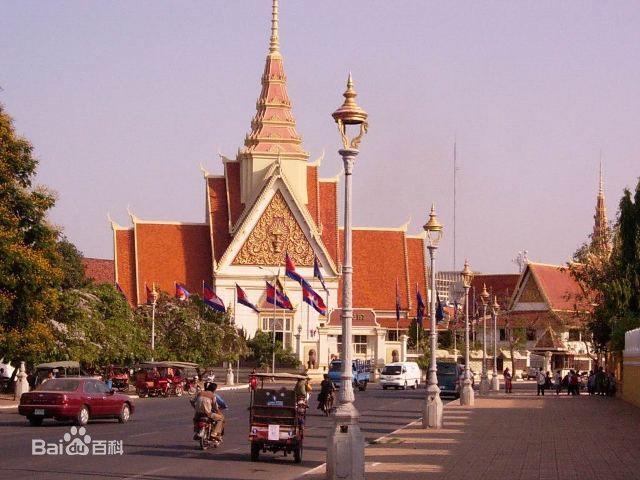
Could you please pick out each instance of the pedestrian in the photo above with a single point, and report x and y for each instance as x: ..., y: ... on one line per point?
x: 507, y: 380
x: 548, y: 381
x: 557, y: 380
x: 574, y: 383
x: 600, y: 379
x: 540, y: 380
x: 308, y: 388
x: 611, y: 387
x: 591, y: 382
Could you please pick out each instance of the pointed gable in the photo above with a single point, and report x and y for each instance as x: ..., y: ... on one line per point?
x: 549, y: 341
x: 219, y: 213
x: 559, y: 287
x: 276, y: 232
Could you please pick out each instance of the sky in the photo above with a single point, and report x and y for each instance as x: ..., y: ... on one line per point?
x: 123, y: 101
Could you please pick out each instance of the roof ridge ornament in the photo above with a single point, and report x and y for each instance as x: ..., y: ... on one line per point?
x: 274, y: 44
x: 350, y: 113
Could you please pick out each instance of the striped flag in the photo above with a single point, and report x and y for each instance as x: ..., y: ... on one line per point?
x: 210, y: 298
x: 244, y: 300
x: 181, y: 292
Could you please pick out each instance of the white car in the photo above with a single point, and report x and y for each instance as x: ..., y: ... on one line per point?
x: 400, y: 375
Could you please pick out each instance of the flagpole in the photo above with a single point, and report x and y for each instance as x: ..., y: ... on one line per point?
x: 273, y: 329
x: 235, y: 301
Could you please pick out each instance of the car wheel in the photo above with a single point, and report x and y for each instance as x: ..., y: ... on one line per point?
x: 83, y: 416
x: 35, y: 421
x: 125, y: 413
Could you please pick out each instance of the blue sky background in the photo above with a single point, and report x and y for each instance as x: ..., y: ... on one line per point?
x: 123, y: 101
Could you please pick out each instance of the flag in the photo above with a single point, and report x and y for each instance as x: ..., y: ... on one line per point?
x: 317, y: 273
x: 310, y: 296
x: 210, y: 298
x: 419, y: 307
x: 242, y: 299
x: 439, y: 311
x: 290, y: 270
x: 397, y: 303
x: 281, y: 300
x: 181, y: 292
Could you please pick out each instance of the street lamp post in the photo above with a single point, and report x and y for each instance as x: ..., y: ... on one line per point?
x: 484, y: 380
x: 432, y: 411
x: 345, y: 444
x: 467, y: 396
x: 154, y: 301
x: 495, y: 308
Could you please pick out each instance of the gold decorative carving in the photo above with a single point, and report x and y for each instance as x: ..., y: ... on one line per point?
x: 277, y: 231
x: 531, y: 293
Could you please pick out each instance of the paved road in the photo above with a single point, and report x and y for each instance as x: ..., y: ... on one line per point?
x: 158, y: 444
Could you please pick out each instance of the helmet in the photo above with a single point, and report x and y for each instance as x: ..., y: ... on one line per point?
x: 212, y: 387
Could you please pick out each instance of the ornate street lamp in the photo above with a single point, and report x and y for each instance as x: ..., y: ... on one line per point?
x: 154, y: 301
x: 484, y: 379
x: 432, y: 411
x: 345, y: 448
x: 495, y: 309
x: 467, y: 396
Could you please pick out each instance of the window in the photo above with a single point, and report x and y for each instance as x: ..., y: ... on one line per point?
x: 282, y: 329
x: 359, y: 344
x: 574, y: 335
x: 503, y: 334
x: 531, y: 334
x: 392, y: 335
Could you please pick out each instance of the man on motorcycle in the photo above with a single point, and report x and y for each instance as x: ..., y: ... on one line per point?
x: 208, y: 404
x: 326, y: 388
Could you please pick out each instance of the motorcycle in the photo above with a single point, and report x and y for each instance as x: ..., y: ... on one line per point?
x: 328, y: 404
x: 205, y: 427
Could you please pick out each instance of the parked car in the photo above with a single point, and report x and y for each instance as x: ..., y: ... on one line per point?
x: 74, y: 398
x: 530, y: 373
x: 449, y: 375
x: 400, y: 375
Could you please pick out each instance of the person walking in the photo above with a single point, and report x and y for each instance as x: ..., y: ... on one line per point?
x: 507, y: 380
x: 541, y: 379
x: 557, y: 380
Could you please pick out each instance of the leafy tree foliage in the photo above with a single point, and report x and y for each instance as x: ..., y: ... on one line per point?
x: 73, y: 271
x: 29, y: 266
x: 261, y: 348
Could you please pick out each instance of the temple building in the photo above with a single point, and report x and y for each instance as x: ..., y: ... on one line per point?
x: 269, y: 200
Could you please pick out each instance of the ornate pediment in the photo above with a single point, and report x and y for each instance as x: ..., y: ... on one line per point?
x: 275, y: 233
x: 531, y: 292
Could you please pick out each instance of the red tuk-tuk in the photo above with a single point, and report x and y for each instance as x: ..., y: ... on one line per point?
x: 161, y: 378
x: 276, y: 417
x: 119, y: 377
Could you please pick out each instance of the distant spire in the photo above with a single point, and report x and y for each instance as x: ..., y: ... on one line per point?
x: 600, y: 237
x: 274, y: 45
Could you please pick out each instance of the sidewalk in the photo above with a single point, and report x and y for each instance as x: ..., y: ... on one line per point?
x: 514, y: 437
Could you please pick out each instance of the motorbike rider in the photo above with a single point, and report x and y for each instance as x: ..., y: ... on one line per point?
x: 208, y: 404
x: 326, y: 388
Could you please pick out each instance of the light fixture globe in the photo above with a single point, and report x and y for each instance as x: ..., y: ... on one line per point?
x: 495, y: 305
x: 484, y: 296
x: 433, y: 228
x: 467, y: 274
x: 350, y: 113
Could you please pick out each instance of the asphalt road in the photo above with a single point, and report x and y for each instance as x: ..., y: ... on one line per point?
x: 157, y: 443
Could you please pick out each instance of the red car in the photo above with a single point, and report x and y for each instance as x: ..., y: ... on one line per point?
x: 74, y: 398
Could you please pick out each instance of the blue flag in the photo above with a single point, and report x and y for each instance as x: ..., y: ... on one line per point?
x: 439, y: 311
x: 420, y: 306
x: 317, y: 273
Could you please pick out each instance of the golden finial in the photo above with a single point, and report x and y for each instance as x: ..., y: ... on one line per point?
x: 350, y: 113
x: 274, y: 45
x: 601, y: 191
x: 484, y: 296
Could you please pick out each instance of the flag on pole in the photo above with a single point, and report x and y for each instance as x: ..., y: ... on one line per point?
x: 210, y: 298
x: 244, y: 300
x: 181, y: 292
x: 278, y: 298
x: 397, y: 302
x: 310, y: 296
x: 317, y: 273
x: 419, y: 306
x: 439, y: 311
x: 290, y: 270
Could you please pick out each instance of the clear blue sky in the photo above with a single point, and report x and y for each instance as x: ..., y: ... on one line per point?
x: 123, y: 100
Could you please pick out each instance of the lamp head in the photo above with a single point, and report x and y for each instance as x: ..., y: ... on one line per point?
x: 484, y: 296
x: 495, y: 305
x: 433, y: 228
x: 467, y: 274
x: 350, y: 113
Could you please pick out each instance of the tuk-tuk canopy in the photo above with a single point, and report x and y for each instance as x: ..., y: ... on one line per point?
x: 167, y: 364
x: 60, y: 364
x: 281, y: 376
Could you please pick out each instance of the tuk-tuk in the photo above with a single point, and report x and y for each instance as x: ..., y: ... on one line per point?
x: 276, y: 417
x: 119, y: 377
x: 62, y: 368
x: 161, y: 378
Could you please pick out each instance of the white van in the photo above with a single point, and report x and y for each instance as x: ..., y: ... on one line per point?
x: 401, y: 375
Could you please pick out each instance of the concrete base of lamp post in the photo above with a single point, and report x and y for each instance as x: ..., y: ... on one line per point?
x: 495, y: 383
x: 345, y: 445
x: 432, y: 411
x: 230, y: 380
x: 467, y: 397
x: 484, y: 385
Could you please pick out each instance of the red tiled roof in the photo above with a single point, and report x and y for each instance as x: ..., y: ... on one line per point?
x: 502, y: 285
x: 232, y: 171
x: 313, y: 193
x: 99, y: 270
x: 329, y: 218
x: 557, y: 285
x: 549, y: 341
x: 361, y: 318
x: 417, y: 273
x: 170, y: 253
x: 390, y: 323
x: 126, y: 263
x: 219, y: 215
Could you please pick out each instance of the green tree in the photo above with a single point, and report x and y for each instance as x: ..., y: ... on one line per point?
x: 73, y: 271
x: 417, y: 336
x: 261, y: 348
x: 29, y: 266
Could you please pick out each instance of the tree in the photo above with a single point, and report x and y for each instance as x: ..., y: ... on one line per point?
x: 261, y: 347
x: 517, y: 338
x: 73, y: 271
x: 29, y: 270
x: 417, y: 336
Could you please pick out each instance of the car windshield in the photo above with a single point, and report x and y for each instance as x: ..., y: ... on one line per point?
x: 392, y: 370
x: 335, y: 366
x: 446, y: 368
x: 59, y: 385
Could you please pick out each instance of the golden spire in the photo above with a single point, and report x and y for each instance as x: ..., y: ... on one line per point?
x: 600, y: 237
x: 274, y: 44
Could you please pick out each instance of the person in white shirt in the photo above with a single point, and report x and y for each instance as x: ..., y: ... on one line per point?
x: 541, y: 380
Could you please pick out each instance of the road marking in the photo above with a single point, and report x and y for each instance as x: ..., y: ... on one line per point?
x: 142, y: 434
x: 144, y: 474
